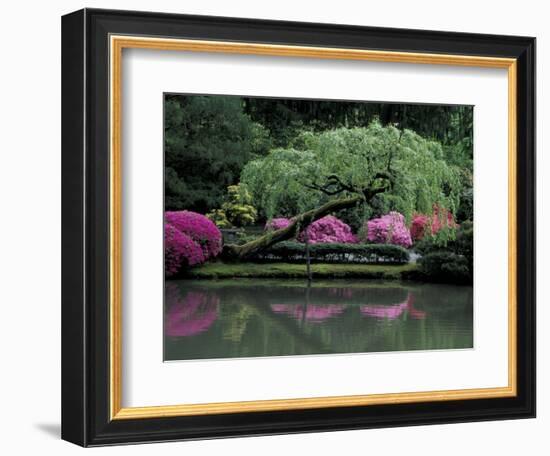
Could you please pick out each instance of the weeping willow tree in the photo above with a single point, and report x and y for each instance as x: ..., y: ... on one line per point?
x: 341, y: 169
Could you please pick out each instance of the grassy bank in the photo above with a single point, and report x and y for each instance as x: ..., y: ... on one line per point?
x: 221, y: 270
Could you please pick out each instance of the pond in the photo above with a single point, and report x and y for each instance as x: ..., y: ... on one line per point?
x: 250, y: 318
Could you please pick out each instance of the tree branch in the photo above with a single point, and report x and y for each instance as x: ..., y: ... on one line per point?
x: 332, y: 181
x: 232, y: 251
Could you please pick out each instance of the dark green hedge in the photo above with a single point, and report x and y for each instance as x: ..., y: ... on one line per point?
x: 292, y: 252
x: 452, y: 263
x: 446, y: 267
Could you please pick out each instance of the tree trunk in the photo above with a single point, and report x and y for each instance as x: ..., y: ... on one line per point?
x: 239, y: 252
x: 308, y: 259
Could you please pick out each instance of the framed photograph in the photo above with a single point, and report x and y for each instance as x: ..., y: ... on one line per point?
x: 278, y: 227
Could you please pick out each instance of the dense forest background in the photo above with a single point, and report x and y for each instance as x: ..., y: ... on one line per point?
x: 209, y: 139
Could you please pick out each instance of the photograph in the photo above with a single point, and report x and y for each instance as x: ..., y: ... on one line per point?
x: 315, y: 227
x: 286, y: 225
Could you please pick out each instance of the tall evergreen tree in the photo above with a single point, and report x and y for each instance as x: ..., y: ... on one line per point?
x: 208, y: 140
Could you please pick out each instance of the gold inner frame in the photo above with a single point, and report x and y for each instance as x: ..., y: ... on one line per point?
x: 117, y: 44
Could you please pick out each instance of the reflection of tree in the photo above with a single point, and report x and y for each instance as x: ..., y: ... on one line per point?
x: 312, y: 313
x: 235, y: 320
x: 189, y: 314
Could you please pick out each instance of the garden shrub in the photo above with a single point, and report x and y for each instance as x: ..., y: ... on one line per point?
x: 328, y: 230
x: 277, y: 224
x: 424, y: 225
x: 446, y: 267
x: 293, y: 252
x: 419, y: 225
x: 388, y: 229
x: 180, y: 251
x: 236, y: 210
x: 441, y: 219
x: 238, y: 206
x: 461, y: 242
x: 219, y: 217
x: 464, y: 242
x: 199, y: 228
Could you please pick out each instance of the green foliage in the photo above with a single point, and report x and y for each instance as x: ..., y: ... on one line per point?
x: 236, y: 210
x: 238, y: 206
x: 219, y: 217
x: 281, y: 182
x: 466, y: 207
x: 335, y: 253
x: 457, y: 240
x: 285, y: 119
x: 442, y: 240
x: 464, y: 243
x: 219, y: 270
x: 446, y: 267
x: 207, y: 142
x: 451, y: 262
x: 209, y: 139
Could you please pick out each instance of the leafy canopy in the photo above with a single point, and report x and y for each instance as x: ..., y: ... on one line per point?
x: 390, y: 169
x: 207, y: 142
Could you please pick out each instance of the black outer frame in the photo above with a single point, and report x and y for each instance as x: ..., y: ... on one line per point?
x: 85, y: 227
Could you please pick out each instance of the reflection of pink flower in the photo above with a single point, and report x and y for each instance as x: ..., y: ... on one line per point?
x: 384, y: 312
x: 312, y: 313
x: 394, y: 311
x: 346, y: 293
x: 414, y: 313
x: 191, y: 314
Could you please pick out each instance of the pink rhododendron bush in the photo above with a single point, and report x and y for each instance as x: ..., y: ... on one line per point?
x: 179, y: 251
x: 425, y: 224
x: 329, y: 230
x: 419, y: 226
x: 276, y: 224
x: 388, y: 229
x: 199, y: 228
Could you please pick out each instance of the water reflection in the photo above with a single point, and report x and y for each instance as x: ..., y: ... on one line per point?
x: 189, y: 314
x: 312, y: 313
x: 394, y: 311
x: 243, y: 318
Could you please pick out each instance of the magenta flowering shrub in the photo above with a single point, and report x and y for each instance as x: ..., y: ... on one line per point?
x: 276, y: 224
x: 329, y: 229
x: 425, y: 224
x: 179, y: 251
x: 199, y: 228
x: 389, y: 229
x: 419, y: 226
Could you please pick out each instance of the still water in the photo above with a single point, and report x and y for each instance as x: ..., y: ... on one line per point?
x: 247, y: 318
